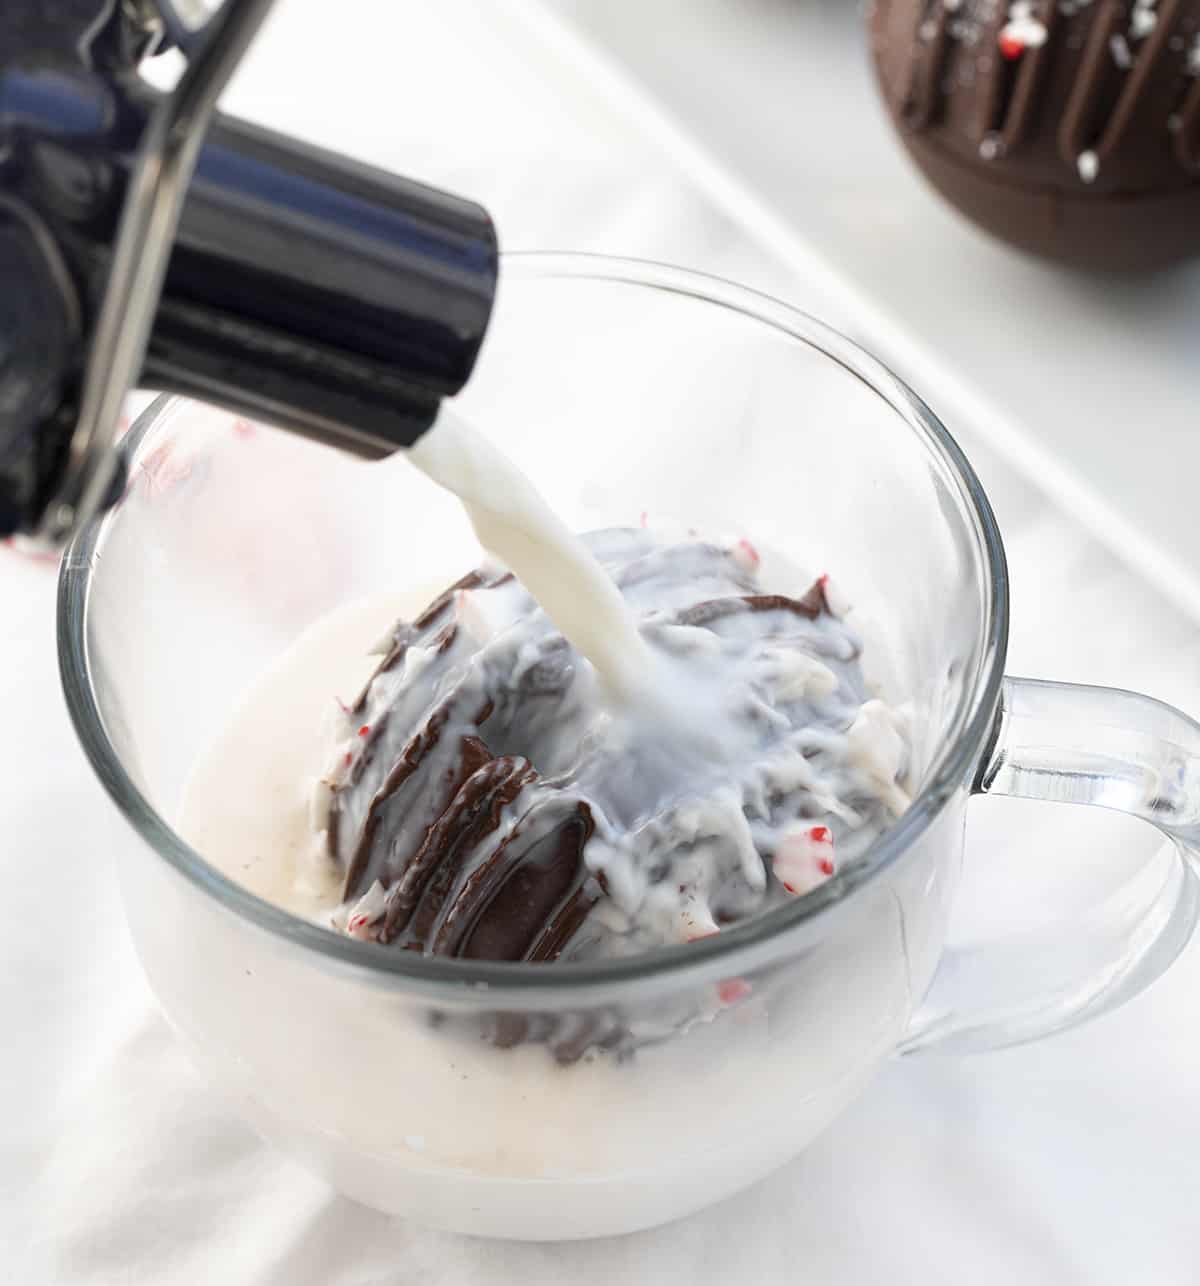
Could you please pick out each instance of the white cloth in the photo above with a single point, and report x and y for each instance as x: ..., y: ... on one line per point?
x: 1070, y: 1161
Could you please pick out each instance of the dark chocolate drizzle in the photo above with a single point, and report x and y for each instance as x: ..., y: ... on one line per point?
x: 922, y: 97
x: 1187, y: 130
x: 1024, y: 100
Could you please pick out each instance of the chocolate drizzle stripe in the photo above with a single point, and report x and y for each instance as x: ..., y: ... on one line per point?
x: 1187, y: 136
x: 367, y: 754
x: 547, y: 842
x: 993, y: 76
x: 445, y: 600
x: 1080, y: 128
x: 411, y: 758
x: 714, y: 609
x: 424, y: 889
x: 395, y: 655
x: 1027, y: 85
x: 566, y: 922
x: 407, y: 636
x: 1149, y: 56
x: 414, y: 752
x: 922, y: 97
x: 442, y: 922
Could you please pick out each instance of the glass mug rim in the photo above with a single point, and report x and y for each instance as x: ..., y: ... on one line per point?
x: 973, y: 723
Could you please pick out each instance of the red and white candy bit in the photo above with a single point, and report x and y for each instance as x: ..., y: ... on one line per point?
x: 243, y: 428
x: 729, y: 990
x: 27, y: 549
x: 472, y: 610
x: 746, y: 556
x: 1022, y: 30
x: 732, y: 990
x: 698, y: 922
x: 342, y: 757
x: 366, y: 911
x: 804, y: 859
x: 835, y: 600
x: 163, y: 470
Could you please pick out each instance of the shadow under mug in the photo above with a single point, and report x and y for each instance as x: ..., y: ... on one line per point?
x: 621, y: 388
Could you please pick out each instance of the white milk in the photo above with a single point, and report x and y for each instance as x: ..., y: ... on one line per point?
x: 515, y: 524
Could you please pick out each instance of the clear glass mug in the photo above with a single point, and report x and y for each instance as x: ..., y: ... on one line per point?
x: 621, y: 388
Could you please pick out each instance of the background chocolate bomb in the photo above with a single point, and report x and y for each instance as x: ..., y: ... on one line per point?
x: 1070, y: 128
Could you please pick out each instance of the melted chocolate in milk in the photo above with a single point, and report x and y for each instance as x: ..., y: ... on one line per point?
x: 627, y: 743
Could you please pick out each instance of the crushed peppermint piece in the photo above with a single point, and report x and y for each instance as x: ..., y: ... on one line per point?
x: 698, y: 922
x: 804, y: 859
x: 1022, y: 30
x: 30, y: 549
x: 366, y: 911
x: 732, y: 990
x: 746, y: 556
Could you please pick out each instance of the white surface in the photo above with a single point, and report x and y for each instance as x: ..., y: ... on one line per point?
x: 1070, y: 1161
x: 1090, y: 385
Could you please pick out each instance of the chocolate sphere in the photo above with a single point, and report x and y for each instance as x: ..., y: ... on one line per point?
x: 1070, y: 128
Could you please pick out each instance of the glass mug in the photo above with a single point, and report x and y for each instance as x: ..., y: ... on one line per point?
x: 621, y: 388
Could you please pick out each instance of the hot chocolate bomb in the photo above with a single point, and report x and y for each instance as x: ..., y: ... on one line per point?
x: 1070, y: 128
x: 480, y: 762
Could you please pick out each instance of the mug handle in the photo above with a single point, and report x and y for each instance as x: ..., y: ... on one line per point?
x: 1072, y: 744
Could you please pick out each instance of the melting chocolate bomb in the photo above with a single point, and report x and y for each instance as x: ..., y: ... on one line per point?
x: 487, y: 798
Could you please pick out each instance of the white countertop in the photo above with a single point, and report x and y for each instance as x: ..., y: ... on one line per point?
x: 1070, y: 1161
